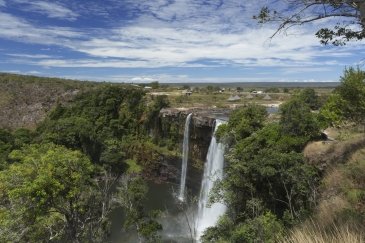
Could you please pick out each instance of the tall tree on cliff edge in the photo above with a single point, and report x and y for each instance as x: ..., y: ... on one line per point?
x: 349, y: 17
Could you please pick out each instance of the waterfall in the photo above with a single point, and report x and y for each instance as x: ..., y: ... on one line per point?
x: 213, y: 170
x: 185, y: 157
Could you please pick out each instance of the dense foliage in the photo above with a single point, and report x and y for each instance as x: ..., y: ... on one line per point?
x: 347, y: 102
x: 48, y: 193
x: 61, y: 182
x: 267, y: 184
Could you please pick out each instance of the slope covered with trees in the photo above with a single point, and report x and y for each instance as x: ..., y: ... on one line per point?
x: 62, y: 181
x: 269, y: 186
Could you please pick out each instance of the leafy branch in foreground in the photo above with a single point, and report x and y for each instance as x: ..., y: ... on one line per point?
x: 350, y: 16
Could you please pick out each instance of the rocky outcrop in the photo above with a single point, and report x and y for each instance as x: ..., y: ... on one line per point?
x: 202, y: 117
x: 172, y: 122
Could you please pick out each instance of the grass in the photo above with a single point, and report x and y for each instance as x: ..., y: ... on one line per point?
x: 324, y: 154
x: 220, y: 100
x: 314, y: 233
x: 339, y: 215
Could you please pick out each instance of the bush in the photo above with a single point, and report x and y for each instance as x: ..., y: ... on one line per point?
x: 265, y: 228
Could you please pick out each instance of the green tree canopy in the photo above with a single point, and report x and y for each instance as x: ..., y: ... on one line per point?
x: 48, y: 194
x: 347, y: 103
x: 242, y: 123
x: 309, y: 96
x: 267, y: 182
x: 298, y: 120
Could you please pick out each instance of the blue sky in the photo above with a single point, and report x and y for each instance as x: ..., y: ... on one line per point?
x: 164, y: 40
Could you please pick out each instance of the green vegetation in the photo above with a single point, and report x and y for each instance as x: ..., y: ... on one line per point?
x: 266, y: 176
x: 94, y: 152
x: 269, y: 186
x: 58, y: 183
x: 347, y: 103
x: 48, y: 194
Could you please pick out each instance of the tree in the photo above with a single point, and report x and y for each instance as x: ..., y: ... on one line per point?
x: 267, y: 182
x: 352, y: 92
x: 272, y: 90
x: 309, y: 96
x: 96, y: 117
x: 264, y: 173
x: 153, y: 112
x: 347, y: 102
x: 6, y: 146
x: 298, y: 120
x: 10, y: 141
x: 299, y: 12
x: 242, y: 123
x: 264, y: 228
x: 132, y: 195
x: 49, y: 195
x: 155, y: 85
x: 186, y: 87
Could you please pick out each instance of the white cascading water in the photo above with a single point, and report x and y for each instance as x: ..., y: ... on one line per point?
x: 185, y: 157
x: 213, y: 170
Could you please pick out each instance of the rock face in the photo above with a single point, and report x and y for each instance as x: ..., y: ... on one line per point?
x: 172, y: 122
x: 201, y: 116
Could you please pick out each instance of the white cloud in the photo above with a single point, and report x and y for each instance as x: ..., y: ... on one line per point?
x: 34, y: 72
x: 101, y: 63
x: 10, y: 71
x: 18, y: 29
x: 50, y: 9
x: 182, y: 33
x: 139, y: 79
x: 295, y: 70
x: 2, y: 3
x: 29, y: 56
x: 168, y: 78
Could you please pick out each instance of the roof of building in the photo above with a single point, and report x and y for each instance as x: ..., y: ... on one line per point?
x: 234, y: 98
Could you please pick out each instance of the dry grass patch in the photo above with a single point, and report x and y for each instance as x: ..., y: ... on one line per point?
x: 314, y: 233
x: 328, y: 209
x: 339, y: 216
x: 323, y: 154
x: 314, y: 149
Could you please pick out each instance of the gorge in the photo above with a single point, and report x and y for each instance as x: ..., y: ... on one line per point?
x: 136, y: 168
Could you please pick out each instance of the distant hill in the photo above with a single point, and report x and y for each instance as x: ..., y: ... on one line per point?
x: 24, y: 100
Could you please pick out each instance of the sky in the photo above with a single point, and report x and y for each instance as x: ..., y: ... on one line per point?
x: 162, y: 40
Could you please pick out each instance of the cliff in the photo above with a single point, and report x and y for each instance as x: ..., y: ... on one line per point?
x: 172, y: 121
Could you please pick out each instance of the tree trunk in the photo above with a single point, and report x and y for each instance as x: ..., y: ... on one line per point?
x: 362, y: 12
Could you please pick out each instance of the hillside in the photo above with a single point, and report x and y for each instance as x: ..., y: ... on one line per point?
x: 25, y: 100
x: 340, y: 211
